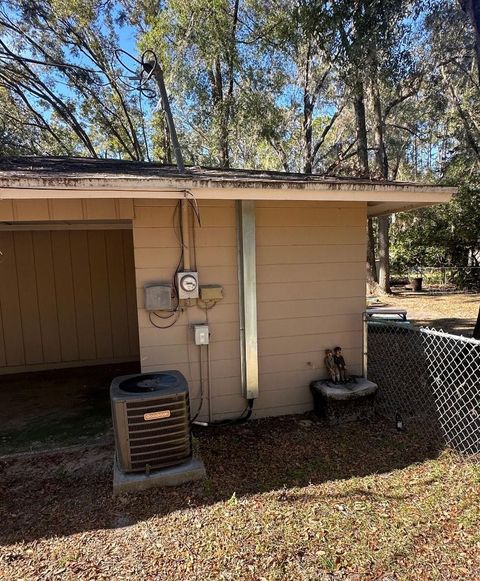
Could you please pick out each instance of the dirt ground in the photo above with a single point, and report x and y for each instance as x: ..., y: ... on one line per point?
x: 452, y: 312
x: 56, y: 408
x: 285, y: 498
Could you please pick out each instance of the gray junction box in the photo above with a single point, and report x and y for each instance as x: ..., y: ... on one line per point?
x: 158, y: 297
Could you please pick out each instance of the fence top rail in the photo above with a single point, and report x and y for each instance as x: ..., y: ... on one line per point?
x: 445, y: 335
x: 425, y: 330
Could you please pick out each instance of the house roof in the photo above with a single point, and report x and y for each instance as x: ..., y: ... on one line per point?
x: 62, y: 177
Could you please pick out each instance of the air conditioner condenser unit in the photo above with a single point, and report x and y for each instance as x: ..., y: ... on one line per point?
x: 151, y: 420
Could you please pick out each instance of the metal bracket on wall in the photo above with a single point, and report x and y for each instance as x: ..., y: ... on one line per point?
x: 247, y: 286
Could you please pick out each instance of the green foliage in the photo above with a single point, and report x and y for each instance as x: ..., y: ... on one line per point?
x: 417, y: 239
x: 446, y: 235
x: 443, y: 121
x: 265, y: 84
x: 269, y: 84
x: 57, y: 64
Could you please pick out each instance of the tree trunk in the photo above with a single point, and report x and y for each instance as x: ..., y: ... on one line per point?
x: 379, y: 132
x: 308, y: 133
x: 381, y: 162
x: 219, y: 106
x: 361, y: 128
x: 168, y: 143
x: 372, y: 276
x: 472, y: 10
x: 476, y: 331
x: 362, y: 156
x: 227, y: 101
x: 383, y: 253
x: 307, y: 116
x: 280, y: 151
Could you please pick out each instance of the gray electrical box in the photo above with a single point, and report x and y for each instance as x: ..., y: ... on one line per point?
x: 202, y: 334
x: 158, y: 297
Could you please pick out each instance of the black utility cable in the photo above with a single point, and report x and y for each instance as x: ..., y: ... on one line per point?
x: 164, y: 326
x: 243, y: 418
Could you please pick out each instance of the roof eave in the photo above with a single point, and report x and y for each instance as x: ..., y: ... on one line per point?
x: 376, y: 209
x: 37, y: 187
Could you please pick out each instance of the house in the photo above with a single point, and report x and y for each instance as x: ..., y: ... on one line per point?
x: 80, y: 239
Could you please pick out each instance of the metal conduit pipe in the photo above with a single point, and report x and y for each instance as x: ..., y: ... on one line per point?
x: 185, y: 235
x: 247, y: 288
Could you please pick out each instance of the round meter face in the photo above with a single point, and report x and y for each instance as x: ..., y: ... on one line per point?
x: 188, y: 283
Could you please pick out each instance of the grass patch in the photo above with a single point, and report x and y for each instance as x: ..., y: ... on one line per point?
x: 56, y: 430
x: 454, y: 313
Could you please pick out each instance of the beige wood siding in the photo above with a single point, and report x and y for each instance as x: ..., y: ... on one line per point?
x: 66, y: 298
x: 310, y: 287
x: 45, y: 210
x: 311, y: 293
x: 156, y: 257
x: 69, y: 297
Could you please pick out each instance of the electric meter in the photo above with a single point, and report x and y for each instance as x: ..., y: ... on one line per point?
x: 187, y: 283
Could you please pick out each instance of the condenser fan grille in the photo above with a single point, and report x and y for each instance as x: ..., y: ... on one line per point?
x: 161, y: 442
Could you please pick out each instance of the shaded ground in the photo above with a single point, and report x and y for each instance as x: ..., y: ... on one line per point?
x: 61, y: 407
x: 285, y: 498
x: 454, y: 313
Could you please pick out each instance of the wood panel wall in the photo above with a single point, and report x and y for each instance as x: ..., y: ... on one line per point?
x: 72, y: 209
x: 310, y: 290
x: 156, y: 257
x: 311, y: 295
x: 66, y: 298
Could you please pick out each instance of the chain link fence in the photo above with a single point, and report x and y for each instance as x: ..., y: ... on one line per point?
x: 429, y: 380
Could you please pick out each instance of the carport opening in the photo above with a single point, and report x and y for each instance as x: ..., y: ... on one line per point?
x: 68, y: 325
x: 57, y: 408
